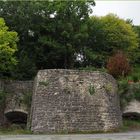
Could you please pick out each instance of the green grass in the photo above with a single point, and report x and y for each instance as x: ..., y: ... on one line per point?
x: 6, y: 131
x: 90, y: 68
x: 130, y: 125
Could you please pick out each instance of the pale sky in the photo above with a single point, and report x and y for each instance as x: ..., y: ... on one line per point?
x: 124, y: 9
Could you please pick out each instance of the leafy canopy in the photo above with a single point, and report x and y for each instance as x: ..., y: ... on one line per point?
x: 107, y: 35
x: 8, y: 47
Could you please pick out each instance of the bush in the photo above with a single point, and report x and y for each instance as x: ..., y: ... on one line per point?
x: 128, y: 92
x: 135, y: 78
x: 118, y: 65
x: 123, y: 92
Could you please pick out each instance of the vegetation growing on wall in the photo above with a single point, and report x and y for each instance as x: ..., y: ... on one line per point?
x: 128, y: 92
x: 91, y: 89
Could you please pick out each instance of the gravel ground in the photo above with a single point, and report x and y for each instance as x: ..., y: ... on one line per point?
x: 113, y: 136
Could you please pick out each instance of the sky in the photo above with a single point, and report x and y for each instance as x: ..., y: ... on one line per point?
x: 124, y: 9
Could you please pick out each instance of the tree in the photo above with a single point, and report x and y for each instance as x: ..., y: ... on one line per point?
x: 107, y: 35
x: 51, y: 32
x: 8, y: 47
x: 135, y: 55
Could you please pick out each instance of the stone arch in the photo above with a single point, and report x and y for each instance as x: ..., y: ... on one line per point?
x: 16, y: 116
x: 131, y: 115
x: 132, y: 110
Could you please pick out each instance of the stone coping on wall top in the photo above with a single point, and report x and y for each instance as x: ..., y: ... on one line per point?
x: 70, y: 70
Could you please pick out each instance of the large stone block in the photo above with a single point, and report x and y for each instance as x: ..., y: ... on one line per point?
x: 73, y: 101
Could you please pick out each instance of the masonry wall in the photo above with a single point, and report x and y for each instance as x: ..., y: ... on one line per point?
x: 16, y: 91
x: 14, y: 102
x: 1, y: 107
x: 73, y: 101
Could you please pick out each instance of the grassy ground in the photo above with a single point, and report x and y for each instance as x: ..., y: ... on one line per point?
x: 130, y: 125
x: 14, y: 132
x: 14, y: 129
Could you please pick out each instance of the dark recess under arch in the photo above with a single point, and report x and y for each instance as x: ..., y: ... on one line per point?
x: 16, y: 117
x: 131, y: 115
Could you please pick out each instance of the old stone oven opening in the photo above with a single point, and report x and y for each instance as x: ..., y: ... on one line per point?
x: 131, y: 116
x: 17, y: 117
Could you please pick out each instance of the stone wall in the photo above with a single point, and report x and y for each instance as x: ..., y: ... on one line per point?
x: 1, y: 107
x: 73, y: 101
x: 14, y: 103
x: 16, y: 91
x: 132, y: 108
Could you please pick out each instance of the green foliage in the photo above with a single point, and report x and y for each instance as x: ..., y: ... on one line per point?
x: 108, y: 88
x: 135, y: 74
x: 123, y: 88
x: 50, y: 32
x: 106, y: 35
x: 25, y: 69
x: 53, y: 33
x: 135, y: 54
x: 136, y: 91
x: 14, y: 131
x: 91, y: 89
x: 130, y: 125
x: 44, y: 83
x: 90, y: 68
x: 128, y: 92
x: 135, y: 78
x: 8, y: 40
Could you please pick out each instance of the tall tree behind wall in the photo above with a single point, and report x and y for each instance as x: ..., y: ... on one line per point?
x: 51, y: 33
x: 107, y: 35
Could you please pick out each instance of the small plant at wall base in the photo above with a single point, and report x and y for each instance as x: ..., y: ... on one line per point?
x: 91, y: 89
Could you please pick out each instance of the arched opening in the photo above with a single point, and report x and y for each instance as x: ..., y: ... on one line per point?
x: 17, y: 117
x: 131, y: 116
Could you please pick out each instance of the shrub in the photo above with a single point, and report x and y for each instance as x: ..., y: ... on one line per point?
x: 123, y: 90
x: 118, y: 65
x: 128, y: 92
x: 135, y: 78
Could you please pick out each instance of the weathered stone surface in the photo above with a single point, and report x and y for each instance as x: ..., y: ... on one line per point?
x: 132, y: 108
x: 1, y: 106
x: 14, y: 102
x: 72, y: 100
x: 16, y: 91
